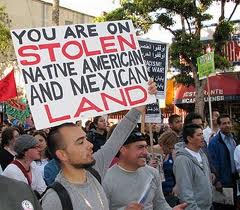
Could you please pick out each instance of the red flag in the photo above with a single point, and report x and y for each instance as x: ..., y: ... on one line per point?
x: 8, y: 87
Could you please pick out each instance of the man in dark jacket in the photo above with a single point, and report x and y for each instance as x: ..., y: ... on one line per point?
x: 221, y: 155
x: 17, y: 195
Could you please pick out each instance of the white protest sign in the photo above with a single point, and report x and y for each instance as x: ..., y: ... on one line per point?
x: 80, y: 71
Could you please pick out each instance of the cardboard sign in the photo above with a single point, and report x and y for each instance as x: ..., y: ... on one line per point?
x: 79, y: 71
x: 205, y: 64
x: 155, y: 55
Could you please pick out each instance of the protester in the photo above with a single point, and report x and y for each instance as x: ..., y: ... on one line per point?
x: 98, y: 134
x: 41, y: 137
x: 167, y: 141
x: 221, y: 154
x: 51, y: 170
x: 192, y: 172
x: 208, y: 132
x: 24, y: 168
x: 175, y: 123
x: 17, y: 195
x: 69, y: 145
x: 131, y: 170
x: 87, y: 126
x: 194, y: 118
x: 7, y: 153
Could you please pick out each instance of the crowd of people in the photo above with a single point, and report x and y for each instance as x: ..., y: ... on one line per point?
x: 92, y: 167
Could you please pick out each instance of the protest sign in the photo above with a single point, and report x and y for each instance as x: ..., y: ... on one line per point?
x: 79, y: 71
x: 20, y: 115
x: 205, y: 64
x: 155, y: 55
x: 153, y: 113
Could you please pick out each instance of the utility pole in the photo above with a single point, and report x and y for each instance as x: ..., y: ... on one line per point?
x: 55, y: 12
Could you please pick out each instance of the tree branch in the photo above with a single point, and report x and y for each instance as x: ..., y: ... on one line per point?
x: 223, y: 2
x: 234, y: 9
x: 169, y: 29
x: 189, y: 26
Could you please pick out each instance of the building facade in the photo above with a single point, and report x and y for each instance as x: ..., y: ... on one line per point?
x: 38, y: 13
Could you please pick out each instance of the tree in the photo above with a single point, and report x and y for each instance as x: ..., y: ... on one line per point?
x: 55, y: 12
x: 6, y: 47
x: 186, y: 46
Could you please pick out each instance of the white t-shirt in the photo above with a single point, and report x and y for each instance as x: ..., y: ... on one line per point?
x: 195, y: 154
x: 207, y: 133
x: 38, y: 184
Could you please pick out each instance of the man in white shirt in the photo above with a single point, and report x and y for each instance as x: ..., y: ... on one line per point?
x: 208, y: 132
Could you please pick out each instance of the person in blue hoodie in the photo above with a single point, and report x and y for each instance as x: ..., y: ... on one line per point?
x: 191, y: 170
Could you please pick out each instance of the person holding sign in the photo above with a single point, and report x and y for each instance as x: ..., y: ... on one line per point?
x: 69, y: 145
x: 131, y: 184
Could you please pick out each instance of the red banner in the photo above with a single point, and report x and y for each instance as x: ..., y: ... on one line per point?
x: 8, y: 87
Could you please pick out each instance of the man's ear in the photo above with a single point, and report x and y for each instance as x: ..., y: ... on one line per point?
x: 123, y: 150
x: 189, y: 138
x: 61, y: 155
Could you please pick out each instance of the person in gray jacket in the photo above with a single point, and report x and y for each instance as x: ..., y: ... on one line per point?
x: 17, y: 195
x: 192, y: 172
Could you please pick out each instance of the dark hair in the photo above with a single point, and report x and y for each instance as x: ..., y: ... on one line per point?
x: 87, y: 123
x: 7, y: 135
x: 222, y: 116
x: 54, y: 139
x: 110, y: 131
x: 172, y: 118
x: 189, y: 130
x: 192, y: 116
x: 95, y: 120
x: 41, y: 133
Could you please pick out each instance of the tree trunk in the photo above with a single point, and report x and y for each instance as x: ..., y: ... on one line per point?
x: 55, y: 12
x: 199, y: 97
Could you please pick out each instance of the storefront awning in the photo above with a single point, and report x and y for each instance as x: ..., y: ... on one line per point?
x: 222, y: 88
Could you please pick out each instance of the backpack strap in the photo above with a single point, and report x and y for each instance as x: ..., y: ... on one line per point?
x: 62, y: 194
x: 95, y: 174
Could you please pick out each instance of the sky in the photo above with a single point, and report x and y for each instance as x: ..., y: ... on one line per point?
x: 97, y: 7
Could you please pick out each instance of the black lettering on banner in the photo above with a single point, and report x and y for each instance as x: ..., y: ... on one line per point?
x: 113, y: 60
x: 75, y: 87
x: 69, y: 33
x: 52, y: 72
x: 19, y: 36
x: 92, y: 30
x: 155, y: 54
x: 97, y: 65
x: 132, y: 77
x: 47, y: 36
x: 114, y: 28
x: 105, y: 80
x: 34, y: 95
x: 105, y: 61
x: 80, y: 31
x: 34, y: 35
x: 120, y: 77
x: 91, y: 82
x: 116, y: 78
x: 86, y: 67
x: 47, y: 91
